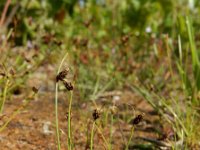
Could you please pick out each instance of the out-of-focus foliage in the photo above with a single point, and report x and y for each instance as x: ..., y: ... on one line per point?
x: 103, y: 36
x: 58, y: 5
x: 120, y: 16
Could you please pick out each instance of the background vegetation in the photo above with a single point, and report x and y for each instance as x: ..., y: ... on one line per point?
x: 149, y: 47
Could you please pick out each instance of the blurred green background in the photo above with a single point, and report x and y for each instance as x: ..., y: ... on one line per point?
x: 105, y: 39
x: 148, y: 46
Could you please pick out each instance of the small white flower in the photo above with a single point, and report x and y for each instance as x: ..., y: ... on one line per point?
x: 148, y: 29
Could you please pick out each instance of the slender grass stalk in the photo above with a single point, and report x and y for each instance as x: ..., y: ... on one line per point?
x: 92, y: 136
x: 195, y: 60
x: 56, y: 114
x: 4, y: 96
x: 186, y: 82
x: 104, y: 139
x: 56, y: 105
x: 129, y: 140
x: 69, y: 121
x: 111, y: 128
x: 169, y: 55
x: 180, y: 50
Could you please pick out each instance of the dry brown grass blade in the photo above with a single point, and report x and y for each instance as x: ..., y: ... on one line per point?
x: 156, y: 142
x: 4, y: 12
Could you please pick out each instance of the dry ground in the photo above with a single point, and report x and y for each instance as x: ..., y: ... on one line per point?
x: 34, y: 128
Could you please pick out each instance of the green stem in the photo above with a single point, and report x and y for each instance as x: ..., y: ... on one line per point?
x: 56, y: 106
x: 4, y: 96
x: 92, y: 136
x: 69, y: 122
x: 56, y: 113
x: 132, y: 131
x: 111, y: 126
x: 104, y: 139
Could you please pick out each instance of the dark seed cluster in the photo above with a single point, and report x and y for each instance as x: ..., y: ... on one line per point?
x: 96, y: 114
x: 34, y: 89
x: 68, y: 85
x: 62, y: 77
x: 137, y: 120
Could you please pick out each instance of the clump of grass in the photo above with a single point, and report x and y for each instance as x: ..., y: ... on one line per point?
x: 181, y: 113
x: 7, y: 75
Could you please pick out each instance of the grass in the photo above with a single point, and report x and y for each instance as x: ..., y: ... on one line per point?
x: 69, y: 123
x: 92, y: 136
x: 183, y: 113
x: 130, y: 138
x: 56, y: 104
x: 111, y: 131
x: 4, y: 96
x: 157, y: 59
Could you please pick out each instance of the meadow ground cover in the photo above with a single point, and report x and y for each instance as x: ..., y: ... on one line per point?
x: 99, y: 74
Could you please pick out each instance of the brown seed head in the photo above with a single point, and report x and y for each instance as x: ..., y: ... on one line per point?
x: 137, y: 119
x: 68, y: 85
x: 62, y: 75
x: 34, y: 89
x: 96, y: 114
x: 125, y: 39
x: 12, y: 72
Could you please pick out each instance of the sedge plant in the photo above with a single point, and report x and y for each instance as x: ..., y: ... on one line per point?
x: 56, y: 105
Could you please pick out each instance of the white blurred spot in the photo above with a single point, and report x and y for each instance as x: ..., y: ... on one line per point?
x: 46, y: 129
x: 116, y: 98
x: 148, y: 29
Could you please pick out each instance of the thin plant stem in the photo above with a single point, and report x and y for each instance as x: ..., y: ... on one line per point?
x: 56, y: 114
x: 129, y: 140
x: 169, y: 53
x: 92, y: 136
x: 56, y: 106
x: 69, y: 122
x: 100, y: 132
x: 111, y: 128
x: 4, y: 96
